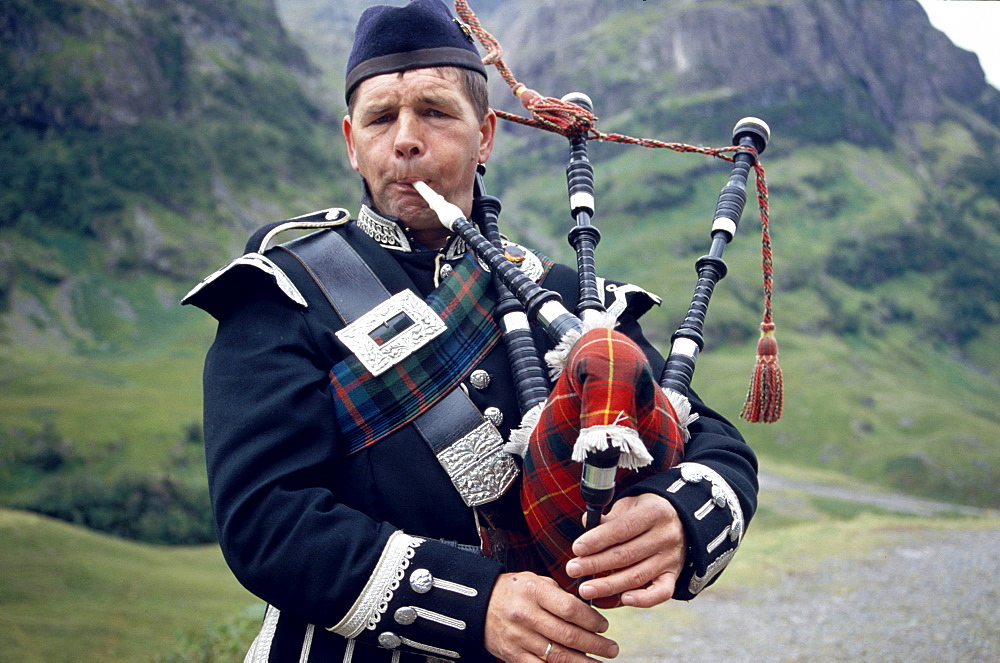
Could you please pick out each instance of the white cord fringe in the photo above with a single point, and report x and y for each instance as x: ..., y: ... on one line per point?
x: 682, y: 407
x: 598, y: 438
x: 519, y: 437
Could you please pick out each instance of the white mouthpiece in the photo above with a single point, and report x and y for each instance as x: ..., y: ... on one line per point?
x: 446, y: 212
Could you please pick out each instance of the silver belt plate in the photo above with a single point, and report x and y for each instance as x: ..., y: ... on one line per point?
x: 379, y: 352
x: 479, y: 468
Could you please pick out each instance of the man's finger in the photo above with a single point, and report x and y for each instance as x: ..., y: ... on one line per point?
x: 570, y: 609
x: 660, y: 591
x: 617, y: 557
x: 629, y: 517
x: 634, y: 577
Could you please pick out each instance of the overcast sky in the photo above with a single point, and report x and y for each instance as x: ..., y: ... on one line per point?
x: 973, y: 25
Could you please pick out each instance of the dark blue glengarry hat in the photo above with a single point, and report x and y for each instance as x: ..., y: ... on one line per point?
x: 421, y: 34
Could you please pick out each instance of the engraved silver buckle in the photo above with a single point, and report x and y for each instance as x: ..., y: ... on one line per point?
x: 478, y: 466
x: 392, y: 331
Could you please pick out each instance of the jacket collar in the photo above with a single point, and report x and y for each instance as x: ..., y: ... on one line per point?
x: 388, y: 232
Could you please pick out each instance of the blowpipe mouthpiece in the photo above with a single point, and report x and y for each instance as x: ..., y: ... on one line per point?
x: 447, y: 213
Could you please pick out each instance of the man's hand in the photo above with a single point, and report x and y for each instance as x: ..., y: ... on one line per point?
x: 528, y: 612
x: 640, y: 545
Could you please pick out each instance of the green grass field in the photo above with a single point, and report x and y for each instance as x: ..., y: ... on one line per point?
x: 70, y: 595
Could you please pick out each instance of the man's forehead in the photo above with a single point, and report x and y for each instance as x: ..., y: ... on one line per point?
x: 426, y: 83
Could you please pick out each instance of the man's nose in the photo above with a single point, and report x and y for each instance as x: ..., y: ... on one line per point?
x: 409, y: 141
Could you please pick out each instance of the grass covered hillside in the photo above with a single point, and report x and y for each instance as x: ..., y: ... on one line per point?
x: 888, y: 337
x: 139, y: 145
x: 140, y: 142
x: 72, y: 595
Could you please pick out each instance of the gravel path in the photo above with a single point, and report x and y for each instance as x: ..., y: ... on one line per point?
x: 933, y: 595
x: 889, y: 501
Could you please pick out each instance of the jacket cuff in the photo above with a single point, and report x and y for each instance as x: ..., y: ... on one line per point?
x: 424, y: 597
x: 713, y: 523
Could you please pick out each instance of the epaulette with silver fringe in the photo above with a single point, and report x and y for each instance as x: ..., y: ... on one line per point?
x: 258, y: 245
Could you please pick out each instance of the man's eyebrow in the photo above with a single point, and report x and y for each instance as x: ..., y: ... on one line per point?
x: 433, y: 98
x: 374, y: 108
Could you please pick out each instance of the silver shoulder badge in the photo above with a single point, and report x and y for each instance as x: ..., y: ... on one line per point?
x: 325, y: 218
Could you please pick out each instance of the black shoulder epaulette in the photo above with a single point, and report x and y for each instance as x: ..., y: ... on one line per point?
x: 621, y: 297
x: 217, y: 286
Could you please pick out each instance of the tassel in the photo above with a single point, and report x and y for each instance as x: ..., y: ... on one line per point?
x: 765, y: 397
x: 682, y: 408
x: 517, y: 445
x: 598, y: 438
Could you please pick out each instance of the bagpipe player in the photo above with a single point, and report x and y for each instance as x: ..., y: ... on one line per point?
x: 357, y: 399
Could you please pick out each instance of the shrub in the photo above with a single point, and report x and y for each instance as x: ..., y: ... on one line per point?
x: 143, y: 508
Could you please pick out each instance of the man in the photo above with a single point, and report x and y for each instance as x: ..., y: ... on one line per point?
x: 333, y: 499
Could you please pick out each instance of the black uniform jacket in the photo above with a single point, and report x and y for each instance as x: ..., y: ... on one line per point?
x: 368, y: 544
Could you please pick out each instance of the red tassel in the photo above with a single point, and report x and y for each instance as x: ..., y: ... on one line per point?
x: 765, y: 398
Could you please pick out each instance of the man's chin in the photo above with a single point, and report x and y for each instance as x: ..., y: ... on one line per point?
x: 417, y: 217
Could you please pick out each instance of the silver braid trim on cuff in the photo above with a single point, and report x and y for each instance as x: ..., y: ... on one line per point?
x: 722, y: 495
x: 409, y: 614
x: 447, y: 653
x: 374, y: 600
x: 699, y: 583
x: 449, y: 586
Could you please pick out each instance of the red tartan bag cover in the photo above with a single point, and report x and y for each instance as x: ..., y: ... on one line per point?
x: 606, y: 394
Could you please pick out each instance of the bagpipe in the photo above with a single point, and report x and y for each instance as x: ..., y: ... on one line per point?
x: 606, y: 421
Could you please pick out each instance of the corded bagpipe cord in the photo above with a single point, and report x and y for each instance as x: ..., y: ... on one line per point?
x: 764, y: 399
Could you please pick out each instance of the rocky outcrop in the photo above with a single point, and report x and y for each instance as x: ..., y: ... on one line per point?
x: 882, y: 56
x: 118, y: 64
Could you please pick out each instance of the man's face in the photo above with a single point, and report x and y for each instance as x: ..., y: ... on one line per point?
x: 418, y: 126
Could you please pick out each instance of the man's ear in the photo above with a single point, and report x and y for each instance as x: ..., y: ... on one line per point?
x: 488, y: 133
x: 349, y: 139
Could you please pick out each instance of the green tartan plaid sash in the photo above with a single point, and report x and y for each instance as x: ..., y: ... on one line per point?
x: 368, y: 408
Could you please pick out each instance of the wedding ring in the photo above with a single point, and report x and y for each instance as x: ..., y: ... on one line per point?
x: 548, y: 649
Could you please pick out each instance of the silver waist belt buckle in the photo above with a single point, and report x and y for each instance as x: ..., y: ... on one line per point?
x: 392, y: 331
x: 479, y: 468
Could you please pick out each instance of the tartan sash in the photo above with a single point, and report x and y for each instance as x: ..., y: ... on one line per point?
x: 368, y: 408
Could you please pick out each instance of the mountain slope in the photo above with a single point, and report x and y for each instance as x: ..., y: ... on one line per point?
x: 882, y: 61
x: 141, y: 141
x: 884, y: 207
x: 884, y: 211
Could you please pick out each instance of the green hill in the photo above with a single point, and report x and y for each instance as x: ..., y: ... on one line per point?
x: 72, y: 595
x: 140, y: 143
